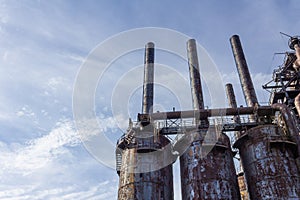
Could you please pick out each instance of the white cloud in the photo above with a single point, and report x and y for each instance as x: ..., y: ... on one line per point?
x: 101, y: 191
x: 41, y: 168
x: 25, y: 111
x: 56, y: 83
x: 38, y: 152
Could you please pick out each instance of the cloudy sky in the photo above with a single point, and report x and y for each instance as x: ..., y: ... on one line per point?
x: 43, y: 47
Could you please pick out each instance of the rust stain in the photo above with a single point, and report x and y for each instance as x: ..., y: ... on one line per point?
x: 135, y: 184
x: 208, y: 172
x: 269, y: 165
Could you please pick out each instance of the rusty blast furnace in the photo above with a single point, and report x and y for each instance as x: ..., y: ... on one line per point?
x: 266, y: 138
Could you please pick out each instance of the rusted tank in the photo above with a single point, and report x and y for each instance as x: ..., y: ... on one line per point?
x: 146, y: 166
x: 269, y: 163
x: 207, y: 168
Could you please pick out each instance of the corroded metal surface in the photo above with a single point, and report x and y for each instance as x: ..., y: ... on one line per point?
x: 195, y: 81
x: 230, y: 95
x: 207, y: 169
x: 269, y: 164
x: 154, y: 185
x: 148, y: 79
x: 232, y: 104
x: 243, y: 187
x: 290, y: 124
x: 243, y: 71
x: 295, y: 43
x: 146, y: 171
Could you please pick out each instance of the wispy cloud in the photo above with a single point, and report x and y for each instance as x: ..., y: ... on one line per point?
x: 101, y: 191
x: 38, y: 152
x: 40, y: 158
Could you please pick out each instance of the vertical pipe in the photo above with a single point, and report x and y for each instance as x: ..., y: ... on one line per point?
x: 232, y: 104
x: 232, y: 100
x: 147, y: 106
x: 243, y: 71
x: 195, y: 81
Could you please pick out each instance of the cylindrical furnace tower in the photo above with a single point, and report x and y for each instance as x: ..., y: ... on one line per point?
x: 143, y: 159
x: 144, y: 171
x: 269, y: 163
x: 267, y: 154
x: 207, y: 170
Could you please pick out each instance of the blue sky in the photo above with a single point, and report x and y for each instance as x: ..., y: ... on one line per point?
x: 42, y: 47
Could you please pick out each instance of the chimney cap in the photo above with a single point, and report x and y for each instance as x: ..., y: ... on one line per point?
x: 150, y: 45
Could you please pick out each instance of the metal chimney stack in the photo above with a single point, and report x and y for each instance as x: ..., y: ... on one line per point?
x: 206, y: 173
x: 243, y: 71
x: 195, y: 81
x: 142, y: 155
x: 232, y: 104
x: 230, y: 95
x: 147, y: 106
x: 232, y: 100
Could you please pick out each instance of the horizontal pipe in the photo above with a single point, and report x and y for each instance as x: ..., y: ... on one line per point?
x: 204, y: 114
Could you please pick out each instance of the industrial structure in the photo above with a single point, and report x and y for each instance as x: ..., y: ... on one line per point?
x: 266, y: 137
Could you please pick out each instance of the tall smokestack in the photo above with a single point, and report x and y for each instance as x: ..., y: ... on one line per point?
x: 147, y: 106
x: 242, y: 67
x: 232, y: 104
x: 204, y: 169
x: 231, y: 100
x: 195, y: 81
